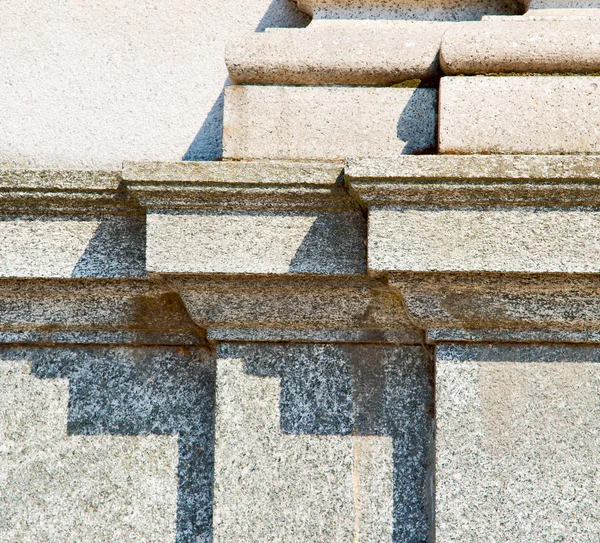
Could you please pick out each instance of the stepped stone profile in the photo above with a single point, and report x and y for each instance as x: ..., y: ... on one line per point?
x: 315, y: 271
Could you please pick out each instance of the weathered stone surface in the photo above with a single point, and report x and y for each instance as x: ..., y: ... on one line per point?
x: 510, y: 239
x: 105, y: 445
x: 517, y: 443
x: 322, y: 443
x: 561, y: 180
x: 474, y: 167
x: 258, y: 184
x: 256, y: 242
x: 236, y: 173
x: 327, y: 123
x: 131, y: 312
x: 513, y: 115
x: 339, y: 53
x: 502, y: 307
x: 521, y: 46
x: 445, y: 10
x: 293, y: 308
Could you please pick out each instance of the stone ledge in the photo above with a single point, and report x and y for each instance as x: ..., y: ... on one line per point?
x: 132, y: 312
x: 379, y: 53
x: 238, y: 185
x: 480, y: 307
x: 345, y: 309
x: 476, y: 179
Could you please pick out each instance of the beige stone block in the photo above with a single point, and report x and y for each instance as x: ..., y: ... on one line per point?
x: 519, y: 115
x: 256, y: 242
x: 517, y: 444
x: 327, y: 123
x: 521, y: 46
x: 338, y: 53
x: 476, y: 239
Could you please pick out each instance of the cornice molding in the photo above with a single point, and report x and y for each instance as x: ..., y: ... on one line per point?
x: 238, y: 185
x: 455, y: 180
x: 503, y: 307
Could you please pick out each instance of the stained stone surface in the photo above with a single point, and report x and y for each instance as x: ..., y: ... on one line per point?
x: 256, y: 242
x: 322, y: 443
x: 517, y: 443
x: 517, y: 239
x: 105, y: 444
x: 327, y: 123
x: 519, y: 115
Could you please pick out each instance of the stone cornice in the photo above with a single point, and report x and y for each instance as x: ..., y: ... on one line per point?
x: 238, y: 185
x: 476, y: 180
x: 503, y: 307
x: 64, y: 192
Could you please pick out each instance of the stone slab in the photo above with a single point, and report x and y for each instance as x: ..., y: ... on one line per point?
x: 339, y: 53
x: 106, y: 444
x: 103, y: 311
x: 431, y: 238
x: 519, y: 115
x: 517, y: 441
x: 521, y: 46
x: 256, y: 242
x: 322, y: 443
x: 296, y: 308
x: 494, y: 307
x: 327, y: 123
x: 431, y: 10
x: 544, y: 180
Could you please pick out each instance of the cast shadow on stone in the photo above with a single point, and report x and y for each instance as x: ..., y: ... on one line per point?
x: 208, y: 142
x: 117, y: 248
x: 146, y: 391
x: 283, y: 14
x: 416, y: 125
x: 363, y: 390
x: 333, y: 244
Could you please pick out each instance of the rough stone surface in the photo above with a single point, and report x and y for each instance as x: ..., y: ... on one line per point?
x: 563, y: 180
x: 63, y: 246
x: 517, y: 443
x: 132, y: 312
x: 105, y: 445
x: 322, y: 443
x: 256, y: 242
x: 445, y: 10
x: 474, y: 167
x: 339, y: 53
x: 99, y: 83
x: 513, y: 115
x: 475, y: 239
x: 502, y: 307
x: 327, y: 123
x: 255, y: 172
x: 520, y: 46
x: 292, y: 308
